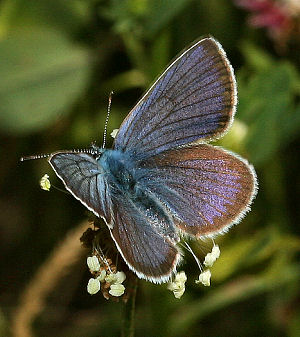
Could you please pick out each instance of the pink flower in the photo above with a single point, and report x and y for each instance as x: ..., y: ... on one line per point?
x: 268, y: 14
x: 254, y: 5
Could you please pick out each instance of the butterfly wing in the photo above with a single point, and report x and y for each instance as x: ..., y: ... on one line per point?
x: 194, y: 99
x: 83, y: 178
x: 145, y: 240
x: 149, y: 254
x: 203, y: 189
x: 206, y: 188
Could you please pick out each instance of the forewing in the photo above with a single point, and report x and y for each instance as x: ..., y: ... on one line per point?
x: 194, y: 99
x: 149, y: 254
x: 206, y: 188
x: 82, y: 176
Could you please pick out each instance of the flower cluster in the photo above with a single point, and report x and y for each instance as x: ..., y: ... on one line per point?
x: 204, y: 278
x: 178, y: 285
x: 105, y: 277
x: 209, y: 260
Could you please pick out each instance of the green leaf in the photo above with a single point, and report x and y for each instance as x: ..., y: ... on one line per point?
x: 267, y: 106
x: 255, y: 57
x: 142, y: 18
x: 66, y: 16
x: 42, y: 73
x: 124, y: 81
x: 160, y: 54
x: 161, y: 13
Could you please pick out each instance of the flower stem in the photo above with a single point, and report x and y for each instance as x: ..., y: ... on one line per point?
x: 128, y: 328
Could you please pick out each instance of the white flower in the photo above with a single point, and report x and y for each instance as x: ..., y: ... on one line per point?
x: 216, y: 251
x: 93, y: 263
x: 115, y: 278
x: 178, y: 285
x: 179, y: 292
x: 204, y: 278
x: 120, y: 277
x: 93, y: 286
x: 117, y: 289
x: 110, y: 278
x: 181, y: 277
x: 45, y: 183
x: 102, y: 276
x: 114, y: 133
x: 211, y: 258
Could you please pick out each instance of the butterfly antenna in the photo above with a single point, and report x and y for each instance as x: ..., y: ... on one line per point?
x: 36, y: 156
x: 107, y: 117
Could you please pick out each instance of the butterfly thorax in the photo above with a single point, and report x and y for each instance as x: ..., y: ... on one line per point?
x: 118, y: 169
x: 122, y: 173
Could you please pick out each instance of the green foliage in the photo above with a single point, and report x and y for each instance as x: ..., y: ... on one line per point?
x: 59, y: 61
x: 267, y: 103
x: 41, y: 75
x: 143, y: 18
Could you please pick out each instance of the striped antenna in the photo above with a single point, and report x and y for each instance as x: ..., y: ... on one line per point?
x: 93, y: 150
x: 36, y: 156
x: 107, y: 117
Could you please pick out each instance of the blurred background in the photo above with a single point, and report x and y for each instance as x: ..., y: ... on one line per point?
x: 58, y: 62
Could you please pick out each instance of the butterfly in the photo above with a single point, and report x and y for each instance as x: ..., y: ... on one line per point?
x: 162, y: 180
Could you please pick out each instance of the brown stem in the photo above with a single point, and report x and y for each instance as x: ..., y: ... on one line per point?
x: 128, y: 327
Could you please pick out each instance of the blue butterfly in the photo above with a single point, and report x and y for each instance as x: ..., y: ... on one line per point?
x: 161, y: 179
